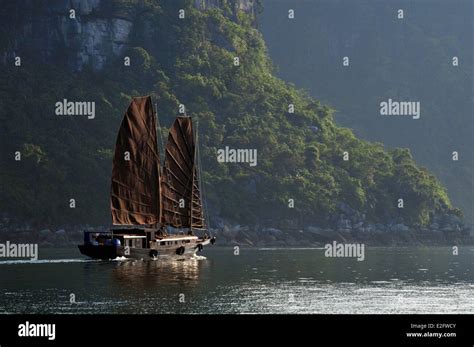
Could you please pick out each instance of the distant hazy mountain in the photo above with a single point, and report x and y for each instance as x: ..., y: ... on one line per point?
x: 402, y: 59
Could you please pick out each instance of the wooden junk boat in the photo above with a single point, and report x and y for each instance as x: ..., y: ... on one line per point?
x: 156, y: 208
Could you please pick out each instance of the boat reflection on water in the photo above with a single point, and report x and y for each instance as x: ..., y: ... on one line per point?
x: 155, y: 273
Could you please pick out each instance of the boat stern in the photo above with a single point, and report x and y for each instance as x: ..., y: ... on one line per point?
x: 100, y: 246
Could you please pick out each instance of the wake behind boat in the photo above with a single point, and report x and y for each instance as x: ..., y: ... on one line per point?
x: 156, y: 208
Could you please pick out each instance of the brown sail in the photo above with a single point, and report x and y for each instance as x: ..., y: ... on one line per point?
x: 182, y: 207
x: 135, y: 189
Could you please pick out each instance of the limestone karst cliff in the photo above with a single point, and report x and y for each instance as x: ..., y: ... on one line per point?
x: 301, y: 178
x: 80, y: 32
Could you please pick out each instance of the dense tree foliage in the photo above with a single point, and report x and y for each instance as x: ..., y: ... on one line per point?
x: 404, y: 59
x: 191, y: 61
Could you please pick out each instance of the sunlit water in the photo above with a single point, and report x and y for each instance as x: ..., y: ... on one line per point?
x: 390, y: 280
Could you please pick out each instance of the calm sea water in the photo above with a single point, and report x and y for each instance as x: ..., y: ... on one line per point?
x: 390, y: 280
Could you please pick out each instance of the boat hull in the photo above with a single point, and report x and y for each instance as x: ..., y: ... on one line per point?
x: 99, y: 252
x: 107, y: 252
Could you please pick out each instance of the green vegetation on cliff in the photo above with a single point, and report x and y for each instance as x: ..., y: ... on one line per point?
x: 401, y: 59
x: 191, y: 61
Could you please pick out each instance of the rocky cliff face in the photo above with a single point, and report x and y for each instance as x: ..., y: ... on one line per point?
x: 242, y: 5
x: 79, y: 33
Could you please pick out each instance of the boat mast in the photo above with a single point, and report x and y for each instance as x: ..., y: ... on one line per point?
x: 158, y: 130
x: 192, y: 184
x: 204, y: 209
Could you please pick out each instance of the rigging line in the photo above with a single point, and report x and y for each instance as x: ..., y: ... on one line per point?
x: 193, y: 178
x: 142, y: 119
x: 159, y: 131
x: 180, y: 151
x: 144, y: 140
x: 169, y: 183
x: 183, y: 136
x: 170, y: 187
x: 170, y: 155
x: 168, y: 171
x: 201, y: 184
x: 178, y: 180
x: 161, y: 167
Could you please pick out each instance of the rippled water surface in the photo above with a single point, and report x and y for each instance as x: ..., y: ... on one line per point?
x: 389, y: 280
